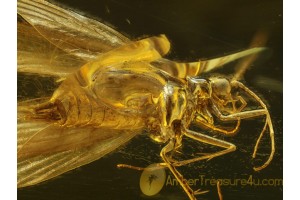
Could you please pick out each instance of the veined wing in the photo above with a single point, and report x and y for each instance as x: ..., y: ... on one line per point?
x: 74, y: 33
x: 87, y: 39
x: 37, y: 55
x: 80, y: 37
x: 46, y: 149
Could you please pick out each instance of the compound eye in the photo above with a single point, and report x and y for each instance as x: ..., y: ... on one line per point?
x: 221, y: 86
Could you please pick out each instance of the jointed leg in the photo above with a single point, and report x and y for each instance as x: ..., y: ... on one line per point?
x: 199, y: 137
x: 207, y: 119
x: 170, y: 164
x: 190, y: 192
x: 201, y: 121
x: 219, y: 191
x: 251, y: 114
x: 208, y: 140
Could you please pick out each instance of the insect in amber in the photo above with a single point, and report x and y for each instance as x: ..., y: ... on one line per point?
x: 113, y: 89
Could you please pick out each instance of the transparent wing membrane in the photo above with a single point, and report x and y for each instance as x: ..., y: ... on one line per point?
x: 46, y: 149
x: 69, y: 31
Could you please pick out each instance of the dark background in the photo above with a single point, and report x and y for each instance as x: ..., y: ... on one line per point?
x: 197, y: 29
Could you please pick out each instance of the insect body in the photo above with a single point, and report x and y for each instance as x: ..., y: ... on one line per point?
x: 119, y: 93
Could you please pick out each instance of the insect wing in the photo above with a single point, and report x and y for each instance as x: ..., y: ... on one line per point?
x: 37, y: 55
x: 46, y: 149
x: 70, y: 32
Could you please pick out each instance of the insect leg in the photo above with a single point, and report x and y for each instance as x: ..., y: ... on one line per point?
x: 231, y: 132
x: 188, y: 190
x: 205, y: 119
x: 251, y: 114
x: 228, y: 147
x: 243, y: 102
